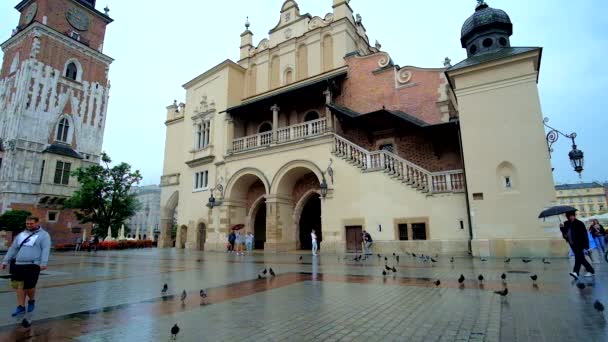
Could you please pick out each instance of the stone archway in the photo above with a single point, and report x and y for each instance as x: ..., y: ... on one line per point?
x: 167, y: 220
x: 246, y: 193
x: 182, y: 237
x: 291, y: 183
x: 307, y: 216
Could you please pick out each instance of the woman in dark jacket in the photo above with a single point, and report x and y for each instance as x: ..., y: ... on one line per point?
x: 575, y: 232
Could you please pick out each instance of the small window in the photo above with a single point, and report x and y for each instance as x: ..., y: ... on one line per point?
x: 63, y: 129
x: 478, y: 196
x: 502, y: 41
x: 403, y: 232
x: 42, y: 170
x: 201, y: 180
x: 473, y: 49
x: 52, y: 216
x: 71, y: 71
x: 508, y: 184
x: 418, y: 231
x: 265, y: 127
x: 312, y: 115
x: 487, y: 42
x: 75, y: 35
x: 62, y: 173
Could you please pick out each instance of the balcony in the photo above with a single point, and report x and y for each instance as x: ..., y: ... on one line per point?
x: 283, y: 135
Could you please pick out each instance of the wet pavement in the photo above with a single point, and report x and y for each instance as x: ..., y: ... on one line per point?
x: 116, y: 296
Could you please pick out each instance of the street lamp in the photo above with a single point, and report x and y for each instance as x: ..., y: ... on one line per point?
x: 576, y: 156
x: 323, y: 188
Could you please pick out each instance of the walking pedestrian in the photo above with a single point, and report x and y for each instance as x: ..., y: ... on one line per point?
x: 315, y: 246
x: 575, y: 233
x: 367, y: 243
x: 78, y: 243
x: 231, y: 239
x: 238, y: 241
x: 249, y: 242
x: 599, y: 234
x: 27, y: 256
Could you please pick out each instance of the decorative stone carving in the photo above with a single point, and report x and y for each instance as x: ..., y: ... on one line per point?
x: 288, y: 33
x: 404, y: 76
x: 385, y: 60
x: 263, y: 44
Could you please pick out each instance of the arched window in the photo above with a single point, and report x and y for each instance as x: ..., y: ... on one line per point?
x: 274, y: 72
x: 288, y: 76
x: 310, y: 116
x: 71, y: 71
x: 62, y: 130
x: 328, y: 53
x: 302, y: 67
x: 265, y: 127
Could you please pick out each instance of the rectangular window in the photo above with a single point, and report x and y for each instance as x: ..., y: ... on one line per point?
x: 403, y: 232
x: 418, y: 231
x: 51, y: 216
x: 201, y: 180
x: 42, y: 170
x: 62, y: 173
x: 202, y: 135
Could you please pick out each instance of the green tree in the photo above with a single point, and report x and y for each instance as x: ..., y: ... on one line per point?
x: 14, y: 220
x: 104, y: 197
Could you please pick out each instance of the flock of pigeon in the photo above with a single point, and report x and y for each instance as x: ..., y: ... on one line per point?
x: 597, y: 305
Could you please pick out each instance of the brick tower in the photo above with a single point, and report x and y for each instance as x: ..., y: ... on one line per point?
x: 54, y: 92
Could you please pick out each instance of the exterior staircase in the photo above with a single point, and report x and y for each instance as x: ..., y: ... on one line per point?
x: 398, y: 168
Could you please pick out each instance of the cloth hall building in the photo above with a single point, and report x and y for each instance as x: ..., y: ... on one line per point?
x: 314, y: 128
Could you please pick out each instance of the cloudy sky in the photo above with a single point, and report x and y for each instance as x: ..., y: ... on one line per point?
x: 160, y: 45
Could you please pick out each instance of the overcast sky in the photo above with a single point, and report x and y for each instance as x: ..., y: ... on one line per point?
x: 160, y: 45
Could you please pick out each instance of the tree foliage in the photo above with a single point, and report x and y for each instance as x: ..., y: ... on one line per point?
x: 104, y: 197
x: 14, y: 220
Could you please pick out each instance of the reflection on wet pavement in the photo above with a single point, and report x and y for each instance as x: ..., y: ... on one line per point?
x: 115, y: 296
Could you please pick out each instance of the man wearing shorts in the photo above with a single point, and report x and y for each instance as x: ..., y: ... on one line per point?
x: 30, y: 249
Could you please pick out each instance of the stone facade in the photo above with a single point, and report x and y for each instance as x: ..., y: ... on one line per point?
x: 315, y: 111
x: 54, y: 92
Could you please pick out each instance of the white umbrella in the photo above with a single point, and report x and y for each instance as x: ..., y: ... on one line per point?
x: 109, y: 237
x: 122, y: 232
x: 151, y: 234
x: 84, y: 234
x: 137, y: 233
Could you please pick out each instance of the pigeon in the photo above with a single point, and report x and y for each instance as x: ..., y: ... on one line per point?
x: 264, y: 271
x: 534, y: 277
x: 379, y: 256
x: 174, y: 331
x: 183, y: 297
x: 394, y: 269
x: 387, y: 268
x: 397, y: 258
x: 484, y: 260
x: 546, y: 262
x: 525, y: 261
x: 25, y: 323
x: 165, y: 289
x: 383, y: 272
x: 385, y: 259
x: 437, y: 283
x: 503, y: 277
x: 502, y: 293
x: 480, y: 278
x: 461, y: 279
x: 203, y: 293
x: 598, y: 306
x: 414, y: 255
x: 300, y: 258
x: 452, y: 259
x: 260, y: 277
x: 580, y: 286
x: 507, y: 260
x: 433, y: 260
x: 272, y: 272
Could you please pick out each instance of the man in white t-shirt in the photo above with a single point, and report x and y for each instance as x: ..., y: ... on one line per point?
x: 315, y: 246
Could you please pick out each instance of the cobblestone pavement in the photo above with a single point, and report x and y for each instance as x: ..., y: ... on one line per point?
x: 115, y: 296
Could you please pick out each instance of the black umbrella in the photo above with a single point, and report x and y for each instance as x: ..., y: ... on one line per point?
x: 557, y: 210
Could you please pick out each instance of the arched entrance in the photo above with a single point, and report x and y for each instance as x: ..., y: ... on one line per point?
x: 183, y: 236
x: 167, y: 221
x: 310, y: 219
x: 202, y: 236
x: 259, y: 225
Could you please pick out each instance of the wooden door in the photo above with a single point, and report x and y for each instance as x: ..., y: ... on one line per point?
x: 354, y: 239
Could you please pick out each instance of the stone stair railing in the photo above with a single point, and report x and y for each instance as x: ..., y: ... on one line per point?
x: 399, y: 168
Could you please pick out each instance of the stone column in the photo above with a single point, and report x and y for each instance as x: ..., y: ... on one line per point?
x: 165, y: 241
x: 275, y: 122
x: 328, y: 114
x: 229, y: 132
x: 279, y: 212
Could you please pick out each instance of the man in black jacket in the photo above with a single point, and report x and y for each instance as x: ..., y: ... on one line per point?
x: 575, y: 232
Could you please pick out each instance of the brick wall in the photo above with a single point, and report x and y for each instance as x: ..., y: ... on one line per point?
x: 307, y: 182
x: 59, y: 231
x: 256, y: 190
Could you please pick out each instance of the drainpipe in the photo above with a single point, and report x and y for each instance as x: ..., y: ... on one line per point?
x: 466, y: 188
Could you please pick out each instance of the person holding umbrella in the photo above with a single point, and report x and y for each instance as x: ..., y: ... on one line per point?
x: 575, y: 233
